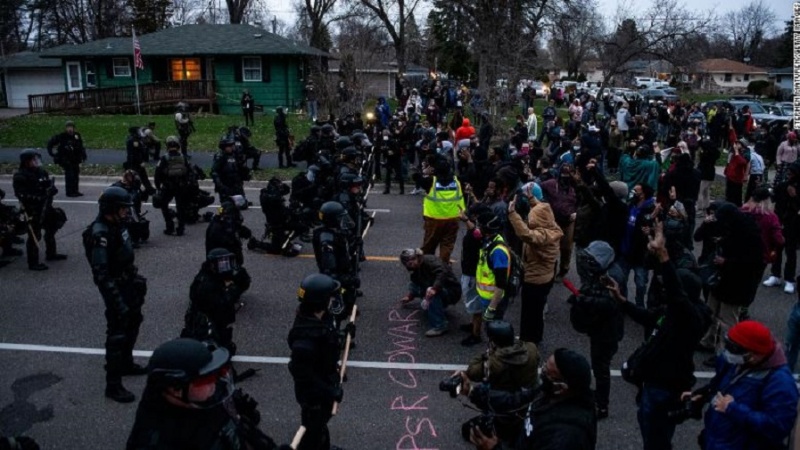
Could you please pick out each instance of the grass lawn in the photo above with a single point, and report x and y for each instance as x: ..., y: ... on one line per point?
x: 117, y: 170
x: 110, y: 131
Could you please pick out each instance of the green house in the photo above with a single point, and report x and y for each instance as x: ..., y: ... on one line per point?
x: 204, y: 64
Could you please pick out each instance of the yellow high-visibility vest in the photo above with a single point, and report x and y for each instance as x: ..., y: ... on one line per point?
x: 443, y: 202
x: 484, y: 277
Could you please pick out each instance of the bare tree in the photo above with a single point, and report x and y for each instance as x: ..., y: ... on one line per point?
x: 748, y: 27
x: 186, y: 12
x: 394, y: 15
x: 574, y: 31
x: 319, y: 15
x: 237, y: 9
x: 661, y: 32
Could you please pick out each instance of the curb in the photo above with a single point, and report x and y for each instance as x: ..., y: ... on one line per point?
x: 205, y: 184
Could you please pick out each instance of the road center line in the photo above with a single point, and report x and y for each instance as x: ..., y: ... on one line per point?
x: 267, y: 359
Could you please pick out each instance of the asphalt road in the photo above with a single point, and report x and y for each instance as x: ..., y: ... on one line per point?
x: 52, y: 334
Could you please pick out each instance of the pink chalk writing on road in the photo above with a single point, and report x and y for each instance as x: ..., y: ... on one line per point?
x: 418, y: 430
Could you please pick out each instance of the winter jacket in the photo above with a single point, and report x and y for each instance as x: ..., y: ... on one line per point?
x: 635, y: 171
x: 433, y: 273
x: 736, y: 170
x: 667, y: 358
x: 709, y: 154
x: 562, y: 199
x: 742, y: 249
x: 589, y: 220
x: 634, y: 243
x: 541, y: 238
x: 788, y: 153
x: 465, y: 131
x: 510, y: 368
x: 771, y: 231
x: 685, y: 179
x: 764, y: 407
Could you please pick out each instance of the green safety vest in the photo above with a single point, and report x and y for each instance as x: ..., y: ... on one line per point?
x: 484, y: 277
x: 443, y: 202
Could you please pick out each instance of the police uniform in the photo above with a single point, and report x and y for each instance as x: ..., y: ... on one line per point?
x: 184, y: 126
x: 282, y: 135
x: 136, y: 157
x: 227, y: 175
x: 226, y: 230
x: 35, y: 190
x: 69, y: 154
x: 335, y: 255
x: 315, y: 345
x: 172, y: 179
x: 109, y: 250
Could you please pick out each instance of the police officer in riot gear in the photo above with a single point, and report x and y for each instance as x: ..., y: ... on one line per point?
x: 138, y: 226
x: 226, y: 229
x: 283, y: 138
x: 172, y: 180
x: 336, y: 255
x: 215, y: 294
x: 190, y: 402
x: 315, y: 344
x: 35, y: 190
x: 69, y: 154
x: 110, y: 253
x: 249, y: 151
x: 226, y: 171
x: 137, y: 156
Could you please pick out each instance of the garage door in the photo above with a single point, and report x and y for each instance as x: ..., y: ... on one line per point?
x: 22, y: 83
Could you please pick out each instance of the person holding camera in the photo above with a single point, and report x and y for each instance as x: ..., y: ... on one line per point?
x: 507, y: 365
x: 753, y: 396
x: 559, y: 415
x: 190, y: 402
x: 663, y: 366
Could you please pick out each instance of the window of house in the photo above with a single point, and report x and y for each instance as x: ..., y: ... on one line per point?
x: 251, y: 68
x: 122, y: 67
x: 728, y: 77
x: 747, y: 77
x: 185, y: 69
x: 91, y: 75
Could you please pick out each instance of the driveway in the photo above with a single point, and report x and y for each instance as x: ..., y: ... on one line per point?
x: 5, y: 113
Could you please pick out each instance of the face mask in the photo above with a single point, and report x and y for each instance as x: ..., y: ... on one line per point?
x: 576, y: 147
x: 476, y: 233
x: 733, y: 358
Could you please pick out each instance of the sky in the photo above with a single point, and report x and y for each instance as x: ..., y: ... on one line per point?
x: 782, y: 8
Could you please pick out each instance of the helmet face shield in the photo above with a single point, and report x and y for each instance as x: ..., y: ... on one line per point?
x: 346, y: 223
x: 210, y: 390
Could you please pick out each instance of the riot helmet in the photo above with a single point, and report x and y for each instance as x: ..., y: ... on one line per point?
x: 360, y: 140
x: 315, y: 129
x: 327, y: 130
x: 30, y: 155
x: 500, y: 333
x: 226, y: 141
x: 173, y: 143
x: 221, y: 261
x: 113, y: 199
x: 343, y: 142
x: 245, y: 132
x: 199, y: 371
x: 317, y: 290
x: 350, y: 155
x: 349, y: 180
x: 333, y: 215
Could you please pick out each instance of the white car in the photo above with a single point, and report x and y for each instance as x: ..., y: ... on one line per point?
x: 649, y: 83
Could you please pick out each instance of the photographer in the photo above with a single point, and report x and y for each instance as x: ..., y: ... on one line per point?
x: 558, y: 416
x: 662, y: 367
x: 507, y: 365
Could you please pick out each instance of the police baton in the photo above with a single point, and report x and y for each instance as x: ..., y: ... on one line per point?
x: 369, y: 224
x: 30, y: 228
x: 298, y: 437
x: 345, y: 355
x: 289, y: 239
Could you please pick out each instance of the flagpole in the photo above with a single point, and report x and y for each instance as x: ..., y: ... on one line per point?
x: 136, y: 74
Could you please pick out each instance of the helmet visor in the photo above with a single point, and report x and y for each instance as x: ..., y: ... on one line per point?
x: 225, y: 264
x: 346, y: 223
x: 210, y: 390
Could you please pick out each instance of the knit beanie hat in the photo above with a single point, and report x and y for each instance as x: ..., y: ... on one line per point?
x: 574, y: 368
x: 752, y: 336
x: 533, y: 189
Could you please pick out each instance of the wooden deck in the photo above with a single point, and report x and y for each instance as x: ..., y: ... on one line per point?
x: 123, y: 99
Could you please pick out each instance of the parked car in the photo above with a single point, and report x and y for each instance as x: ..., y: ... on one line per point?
x: 658, y: 94
x: 775, y: 109
x: 649, y: 83
x: 757, y: 110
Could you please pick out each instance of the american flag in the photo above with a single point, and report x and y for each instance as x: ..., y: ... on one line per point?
x: 137, y: 53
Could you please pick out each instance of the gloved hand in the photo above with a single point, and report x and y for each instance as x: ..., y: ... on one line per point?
x: 338, y: 392
x: 489, y: 314
x: 246, y: 406
x: 350, y: 329
x: 245, y: 232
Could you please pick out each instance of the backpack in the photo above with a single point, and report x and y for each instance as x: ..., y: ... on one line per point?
x: 176, y: 166
x: 583, y: 314
x: 517, y: 272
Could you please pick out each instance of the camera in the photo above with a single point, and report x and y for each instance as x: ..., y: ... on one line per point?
x: 689, y: 410
x: 451, y: 385
x: 485, y: 423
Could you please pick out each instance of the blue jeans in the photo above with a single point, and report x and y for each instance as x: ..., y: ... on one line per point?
x: 312, y: 109
x: 792, y: 344
x: 436, y: 315
x: 656, y: 427
x: 640, y: 278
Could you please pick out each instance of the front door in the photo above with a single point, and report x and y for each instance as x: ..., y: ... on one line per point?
x: 74, y: 79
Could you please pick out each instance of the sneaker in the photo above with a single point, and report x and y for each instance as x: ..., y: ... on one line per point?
x: 471, y: 340
x: 789, y: 288
x: 434, y: 332
x: 772, y: 281
x: 118, y: 393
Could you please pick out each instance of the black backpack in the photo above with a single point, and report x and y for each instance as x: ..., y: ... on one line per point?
x: 517, y: 273
x: 583, y: 314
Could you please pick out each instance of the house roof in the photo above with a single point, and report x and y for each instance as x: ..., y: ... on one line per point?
x: 192, y: 40
x: 782, y: 71
x: 28, y: 60
x: 722, y: 65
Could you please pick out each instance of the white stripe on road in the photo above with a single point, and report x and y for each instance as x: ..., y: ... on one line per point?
x: 269, y: 359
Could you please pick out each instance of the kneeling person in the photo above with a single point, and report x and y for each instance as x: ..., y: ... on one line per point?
x: 435, y: 283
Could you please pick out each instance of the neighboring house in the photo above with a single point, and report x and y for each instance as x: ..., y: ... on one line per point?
x: 592, y: 69
x: 782, y: 78
x: 377, y: 78
x: 25, y: 73
x: 725, y: 75
x: 208, y: 63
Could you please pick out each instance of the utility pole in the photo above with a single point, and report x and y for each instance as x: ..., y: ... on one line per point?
x: 274, y: 24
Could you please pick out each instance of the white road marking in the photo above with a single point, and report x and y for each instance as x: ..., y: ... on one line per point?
x: 378, y: 210
x: 269, y: 359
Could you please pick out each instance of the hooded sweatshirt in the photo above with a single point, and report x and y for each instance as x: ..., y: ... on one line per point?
x: 510, y: 368
x: 465, y: 131
x: 540, y: 237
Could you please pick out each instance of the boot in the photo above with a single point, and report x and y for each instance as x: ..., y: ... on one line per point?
x: 134, y: 369
x: 118, y: 393
x: 37, y: 266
